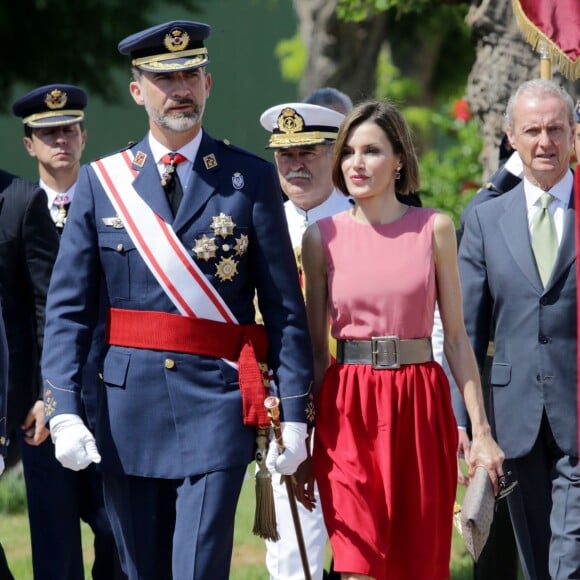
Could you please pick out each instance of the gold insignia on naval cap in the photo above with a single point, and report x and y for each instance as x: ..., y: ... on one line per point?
x: 56, y: 99
x: 290, y: 121
x: 176, y: 40
x: 300, y: 124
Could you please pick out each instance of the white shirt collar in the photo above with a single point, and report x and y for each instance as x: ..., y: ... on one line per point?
x: 53, y: 195
x: 189, y: 150
x: 561, y: 191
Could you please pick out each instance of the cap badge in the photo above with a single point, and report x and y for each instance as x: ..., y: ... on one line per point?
x: 238, y: 180
x: 56, y: 99
x: 176, y: 40
x: 289, y: 121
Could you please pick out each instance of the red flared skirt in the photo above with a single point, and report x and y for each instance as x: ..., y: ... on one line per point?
x: 385, y: 464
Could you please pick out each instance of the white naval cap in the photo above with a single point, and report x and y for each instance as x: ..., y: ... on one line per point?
x: 298, y: 124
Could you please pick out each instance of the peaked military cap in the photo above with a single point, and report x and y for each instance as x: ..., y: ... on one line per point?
x: 169, y: 47
x: 51, y: 106
x: 298, y: 124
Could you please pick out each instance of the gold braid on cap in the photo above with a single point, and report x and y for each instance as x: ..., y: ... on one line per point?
x: 48, y: 114
x: 297, y: 139
x: 158, y: 58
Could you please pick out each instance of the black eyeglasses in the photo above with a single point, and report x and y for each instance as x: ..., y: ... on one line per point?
x: 505, y: 486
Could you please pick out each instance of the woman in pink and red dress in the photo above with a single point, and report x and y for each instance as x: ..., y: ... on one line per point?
x: 386, y: 439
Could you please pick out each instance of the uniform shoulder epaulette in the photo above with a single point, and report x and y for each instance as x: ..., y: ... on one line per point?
x: 129, y: 145
x: 226, y: 143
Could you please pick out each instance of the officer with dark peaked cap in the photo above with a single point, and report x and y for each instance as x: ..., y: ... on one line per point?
x: 58, y: 498
x: 54, y: 134
x: 176, y: 424
x: 54, y: 105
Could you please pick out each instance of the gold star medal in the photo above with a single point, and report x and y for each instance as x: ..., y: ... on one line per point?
x: 205, y: 248
x: 241, y: 246
x: 223, y: 225
x: 226, y: 269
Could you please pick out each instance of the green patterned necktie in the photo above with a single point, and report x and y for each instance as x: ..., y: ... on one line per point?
x: 544, y: 238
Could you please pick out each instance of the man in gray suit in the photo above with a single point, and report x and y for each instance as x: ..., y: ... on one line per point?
x: 511, y: 282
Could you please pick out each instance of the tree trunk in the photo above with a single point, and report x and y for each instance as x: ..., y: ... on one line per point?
x: 503, y: 61
x: 340, y: 54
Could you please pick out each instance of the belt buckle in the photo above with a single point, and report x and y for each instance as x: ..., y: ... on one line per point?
x: 385, y: 352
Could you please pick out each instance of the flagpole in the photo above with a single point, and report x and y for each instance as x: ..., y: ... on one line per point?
x: 545, y: 61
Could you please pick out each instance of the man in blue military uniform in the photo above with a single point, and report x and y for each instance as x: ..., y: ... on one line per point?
x: 183, y: 230
x: 55, y: 136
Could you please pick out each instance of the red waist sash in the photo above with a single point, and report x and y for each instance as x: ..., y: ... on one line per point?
x: 247, y: 344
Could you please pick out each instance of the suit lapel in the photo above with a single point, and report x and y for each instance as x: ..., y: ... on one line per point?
x: 148, y: 183
x: 202, y: 183
x: 514, y: 226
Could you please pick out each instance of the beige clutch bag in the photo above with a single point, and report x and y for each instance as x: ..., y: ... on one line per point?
x: 477, y: 512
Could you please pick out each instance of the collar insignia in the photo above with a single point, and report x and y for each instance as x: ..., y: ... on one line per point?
x: 139, y: 159
x: 210, y: 161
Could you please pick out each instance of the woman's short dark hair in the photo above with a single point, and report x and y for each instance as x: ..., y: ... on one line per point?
x: 391, y: 121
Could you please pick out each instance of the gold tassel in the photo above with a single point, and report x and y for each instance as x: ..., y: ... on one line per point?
x: 265, y: 525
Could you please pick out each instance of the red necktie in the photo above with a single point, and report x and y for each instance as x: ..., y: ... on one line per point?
x: 170, y: 180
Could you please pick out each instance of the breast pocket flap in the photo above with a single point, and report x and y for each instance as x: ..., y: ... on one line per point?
x: 501, y: 374
x: 115, y: 368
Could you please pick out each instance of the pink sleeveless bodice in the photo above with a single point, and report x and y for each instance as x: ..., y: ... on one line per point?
x: 382, y: 277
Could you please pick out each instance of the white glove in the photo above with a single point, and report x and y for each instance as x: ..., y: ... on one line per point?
x: 294, y: 440
x: 74, y: 444
x: 2, y: 465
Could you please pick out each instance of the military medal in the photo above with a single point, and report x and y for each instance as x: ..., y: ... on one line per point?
x: 205, y: 248
x: 167, y: 174
x: 241, y: 246
x: 61, y: 200
x: 226, y: 269
x: 223, y: 225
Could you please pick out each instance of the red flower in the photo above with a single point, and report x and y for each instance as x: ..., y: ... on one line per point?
x: 461, y: 110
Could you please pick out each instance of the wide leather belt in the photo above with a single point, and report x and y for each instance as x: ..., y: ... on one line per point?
x: 384, y: 352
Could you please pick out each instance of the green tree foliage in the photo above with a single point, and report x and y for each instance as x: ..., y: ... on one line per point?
x: 47, y: 40
x: 357, y: 10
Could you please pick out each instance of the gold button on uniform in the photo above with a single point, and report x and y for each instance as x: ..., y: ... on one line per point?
x: 169, y: 363
x: 120, y: 247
